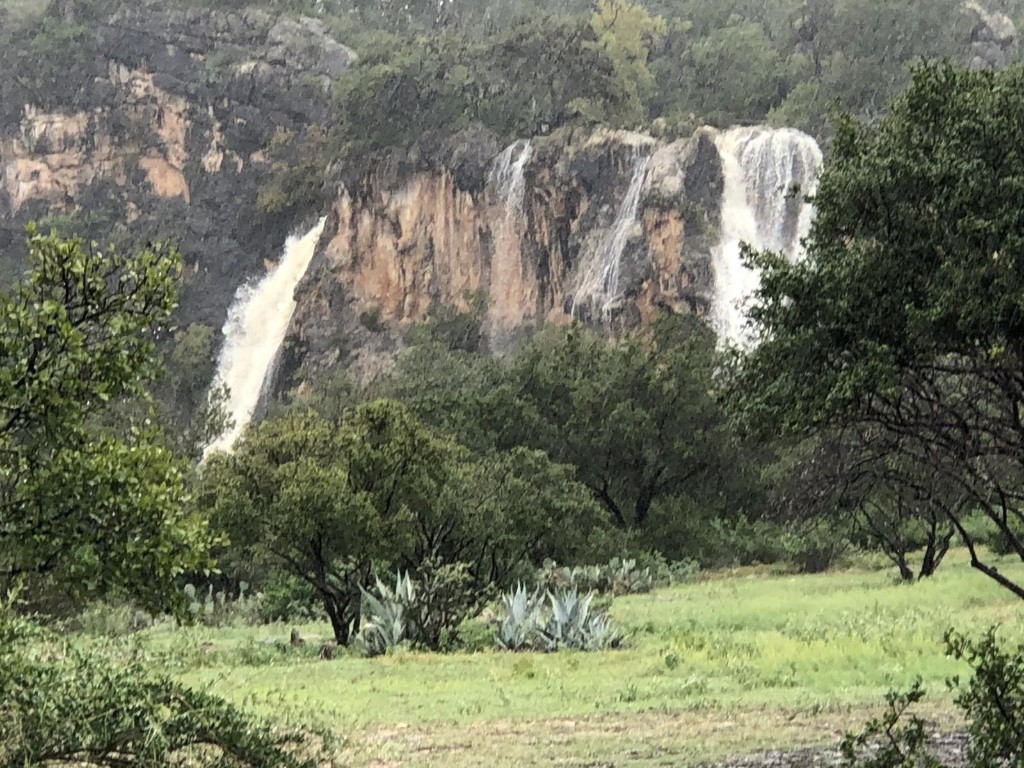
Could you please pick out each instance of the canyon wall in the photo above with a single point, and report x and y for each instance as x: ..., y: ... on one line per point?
x: 163, y: 133
x: 528, y: 230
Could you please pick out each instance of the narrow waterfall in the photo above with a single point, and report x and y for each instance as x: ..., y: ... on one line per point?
x: 767, y: 174
x: 507, y: 301
x: 599, y: 285
x: 257, y: 322
x: 507, y: 176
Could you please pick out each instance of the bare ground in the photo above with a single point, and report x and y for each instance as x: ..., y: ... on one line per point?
x: 646, y: 740
x: 949, y: 748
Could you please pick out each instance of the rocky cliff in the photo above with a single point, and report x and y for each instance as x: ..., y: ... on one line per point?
x: 163, y: 125
x: 539, y: 230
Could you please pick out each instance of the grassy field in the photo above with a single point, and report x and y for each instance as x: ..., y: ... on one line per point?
x: 733, y: 663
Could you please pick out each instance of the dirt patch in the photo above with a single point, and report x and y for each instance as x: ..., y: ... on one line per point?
x: 949, y: 748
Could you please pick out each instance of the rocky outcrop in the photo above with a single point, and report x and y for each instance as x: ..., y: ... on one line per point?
x: 164, y: 131
x: 993, y: 38
x: 394, y: 247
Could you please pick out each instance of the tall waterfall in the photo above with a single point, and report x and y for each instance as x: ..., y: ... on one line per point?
x: 599, y: 286
x: 507, y: 304
x: 508, y: 178
x: 767, y: 174
x: 257, y: 322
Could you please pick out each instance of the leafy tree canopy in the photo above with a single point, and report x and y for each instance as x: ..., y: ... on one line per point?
x: 908, y: 314
x: 92, y: 510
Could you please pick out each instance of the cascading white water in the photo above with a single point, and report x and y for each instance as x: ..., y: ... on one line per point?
x: 507, y: 179
x: 767, y: 173
x: 599, y: 285
x: 256, y: 325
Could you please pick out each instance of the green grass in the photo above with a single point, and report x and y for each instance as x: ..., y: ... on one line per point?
x: 733, y: 663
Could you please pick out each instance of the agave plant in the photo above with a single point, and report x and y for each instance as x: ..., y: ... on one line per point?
x: 520, y: 619
x: 559, y: 619
x: 565, y: 625
x: 387, y: 616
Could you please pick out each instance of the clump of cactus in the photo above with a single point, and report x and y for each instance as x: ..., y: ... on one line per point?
x: 559, y: 620
x: 620, y: 576
x: 218, y: 609
x: 617, y: 577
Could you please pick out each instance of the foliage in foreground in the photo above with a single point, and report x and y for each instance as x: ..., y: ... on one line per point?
x: 87, y: 509
x: 62, y: 705
x: 993, y: 701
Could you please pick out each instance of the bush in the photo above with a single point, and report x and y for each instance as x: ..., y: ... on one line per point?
x: 815, y: 549
x: 290, y: 599
x: 903, y: 737
x: 60, y: 705
x: 426, y: 612
x: 993, y: 702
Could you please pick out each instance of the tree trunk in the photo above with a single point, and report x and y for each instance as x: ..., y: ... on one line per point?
x: 338, y: 613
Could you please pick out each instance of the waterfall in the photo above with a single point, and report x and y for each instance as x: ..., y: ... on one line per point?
x: 761, y: 167
x: 507, y: 176
x: 599, y: 285
x: 507, y: 302
x: 257, y: 322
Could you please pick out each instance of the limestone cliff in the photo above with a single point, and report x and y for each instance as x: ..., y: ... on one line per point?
x: 165, y: 129
x: 395, y: 246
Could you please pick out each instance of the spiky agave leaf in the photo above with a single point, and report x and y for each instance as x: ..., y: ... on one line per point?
x: 520, y: 618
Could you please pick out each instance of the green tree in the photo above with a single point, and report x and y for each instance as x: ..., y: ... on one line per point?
x: 636, y: 417
x: 87, y: 509
x: 93, y: 512
x: 332, y: 500
x: 907, y: 317
x: 627, y: 32
x: 861, y: 479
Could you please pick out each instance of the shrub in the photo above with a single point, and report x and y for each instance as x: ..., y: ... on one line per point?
x: 426, y: 612
x: 815, y: 549
x: 288, y: 598
x: 63, y: 706
x: 895, y: 740
x: 993, y: 702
